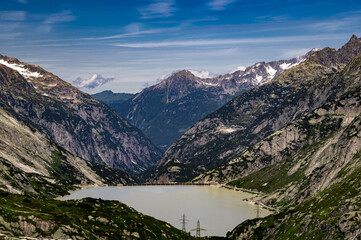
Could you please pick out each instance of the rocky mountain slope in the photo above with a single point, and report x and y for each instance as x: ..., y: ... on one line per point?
x: 312, y: 173
x: 166, y: 110
x: 258, y: 113
x: 322, y: 126
x: 32, y: 164
x: 110, y: 98
x: 34, y: 170
x: 74, y: 120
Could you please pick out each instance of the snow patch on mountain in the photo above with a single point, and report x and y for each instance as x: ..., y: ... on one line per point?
x: 271, y: 72
x: 286, y: 66
x: 259, y: 78
x: 209, y: 84
x: 20, y: 69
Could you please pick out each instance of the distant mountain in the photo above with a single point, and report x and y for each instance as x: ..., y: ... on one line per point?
x: 31, y: 163
x: 256, y: 114
x: 72, y: 119
x: 166, y: 110
x: 110, y: 98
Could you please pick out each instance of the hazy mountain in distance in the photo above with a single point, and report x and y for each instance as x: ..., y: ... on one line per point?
x: 168, y: 109
x: 110, y: 98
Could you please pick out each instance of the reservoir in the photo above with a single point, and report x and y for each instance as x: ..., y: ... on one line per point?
x: 219, y: 210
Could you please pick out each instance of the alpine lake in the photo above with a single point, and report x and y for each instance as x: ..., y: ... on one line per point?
x: 218, y: 210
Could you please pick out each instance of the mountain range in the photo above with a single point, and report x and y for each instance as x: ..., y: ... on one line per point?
x: 168, y: 109
x: 256, y: 114
x: 72, y: 119
x: 294, y: 140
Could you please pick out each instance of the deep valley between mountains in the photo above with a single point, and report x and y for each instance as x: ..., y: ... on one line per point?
x: 287, y: 130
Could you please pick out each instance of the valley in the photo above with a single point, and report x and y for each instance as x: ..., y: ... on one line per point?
x: 291, y: 136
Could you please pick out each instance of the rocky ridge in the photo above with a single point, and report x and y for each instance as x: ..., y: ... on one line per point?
x: 74, y: 120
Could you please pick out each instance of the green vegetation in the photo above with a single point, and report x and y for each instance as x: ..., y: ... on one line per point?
x: 334, y: 213
x: 270, y: 178
x: 87, y: 218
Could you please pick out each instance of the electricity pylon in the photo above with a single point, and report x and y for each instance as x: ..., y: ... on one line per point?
x: 184, y: 221
x: 257, y: 210
x: 198, y: 229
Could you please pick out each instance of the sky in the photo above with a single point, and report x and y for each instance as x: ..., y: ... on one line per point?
x: 125, y: 46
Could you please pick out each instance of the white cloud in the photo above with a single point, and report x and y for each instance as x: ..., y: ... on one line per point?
x: 201, y: 42
x: 291, y: 53
x: 240, y: 68
x: 63, y: 16
x: 157, y: 9
x: 12, y: 15
x: 123, y: 35
x: 95, y: 81
x: 202, y: 74
x: 163, y: 77
x: 219, y: 5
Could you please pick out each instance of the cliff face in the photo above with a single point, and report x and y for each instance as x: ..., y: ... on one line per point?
x: 258, y: 113
x: 72, y: 119
x: 317, y: 188
x: 165, y: 111
x: 31, y: 163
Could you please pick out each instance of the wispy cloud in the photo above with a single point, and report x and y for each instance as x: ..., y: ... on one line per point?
x: 9, y: 35
x: 56, y: 18
x: 219, y: 5
x: 63, y: 16
x: 158, y: 9
x: 95, y: 81
x: 189, y: 43
x: 12, y: 15
x: 122, y: 35
x: 295, y: 52
x: 336, y: 24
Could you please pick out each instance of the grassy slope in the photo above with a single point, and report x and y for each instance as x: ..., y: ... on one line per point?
x: 88, y: 218
x: 334, y: 213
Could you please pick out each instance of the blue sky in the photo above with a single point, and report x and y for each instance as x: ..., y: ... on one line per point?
x: 127, y: 45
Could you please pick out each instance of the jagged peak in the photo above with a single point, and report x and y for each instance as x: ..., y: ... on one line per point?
x: 353, y: 38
